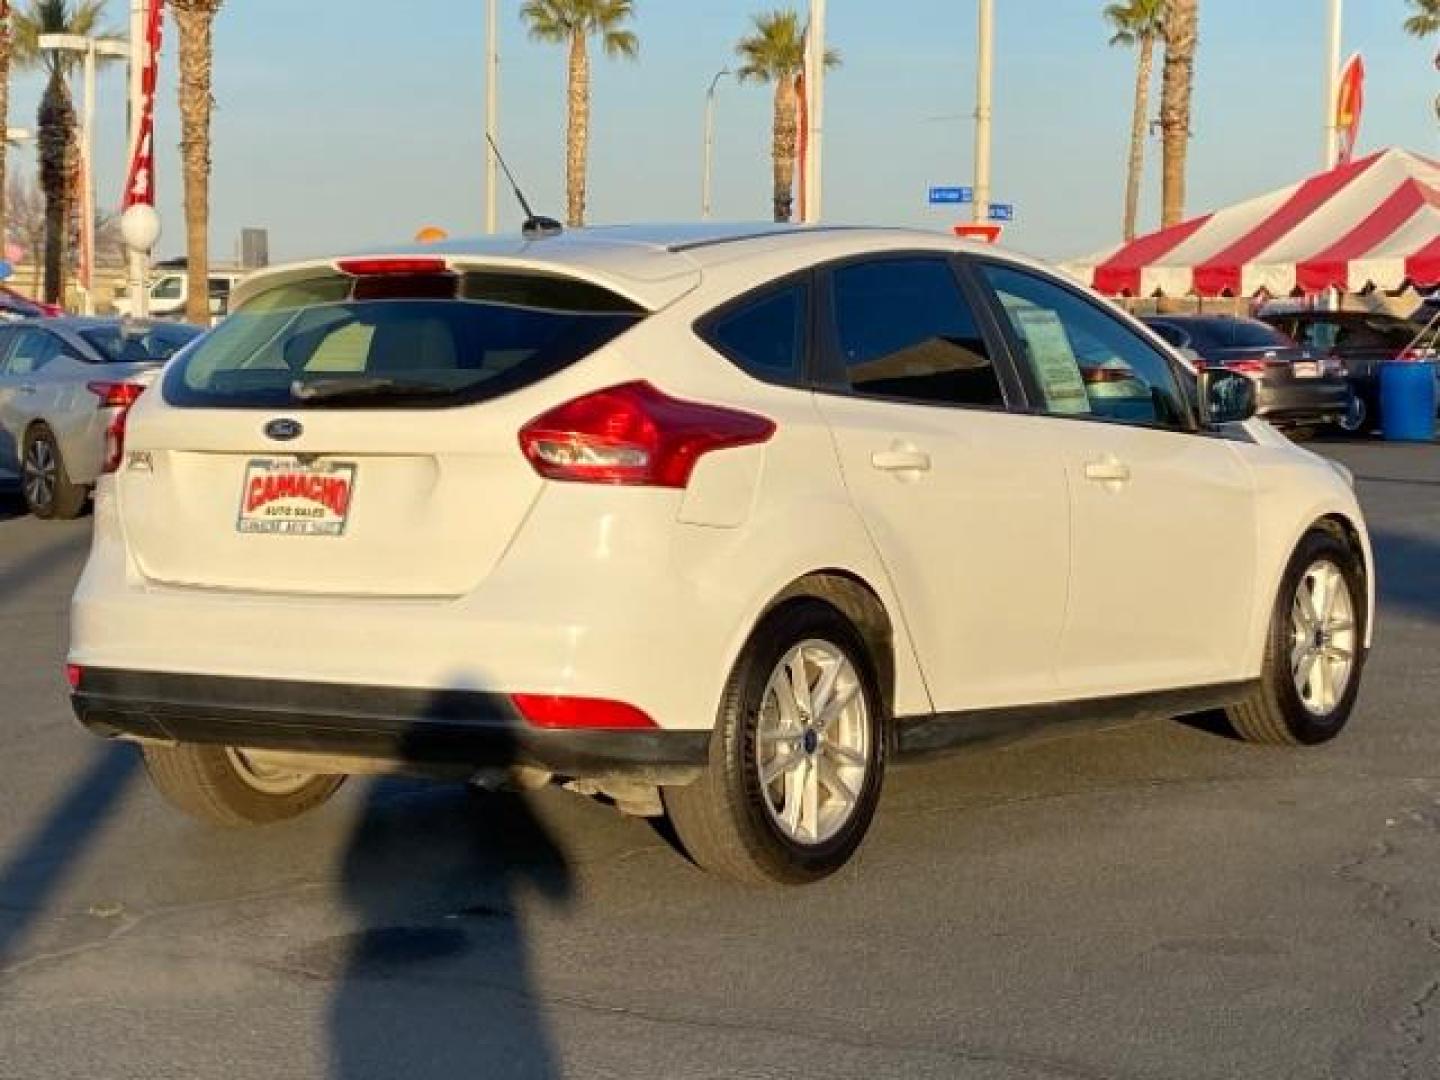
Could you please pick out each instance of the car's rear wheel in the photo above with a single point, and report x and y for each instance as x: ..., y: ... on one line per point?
x: 798, y: 758
x: 224, y: 786
x: 1356, y: 420
x: 44, y: 481
x: 1315, y: 650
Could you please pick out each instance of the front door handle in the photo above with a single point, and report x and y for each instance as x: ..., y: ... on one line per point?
x: 27, y: 388
x: 1108, y: 470
x: 901, y: 459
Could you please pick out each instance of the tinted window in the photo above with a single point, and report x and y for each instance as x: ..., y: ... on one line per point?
x: 168, y: 288
x: 396, y: 341
x: 1084, y: 361
x: 7, y: 339
x: 1253, y: 334
x: 33, y: 350
x: 766, y: 336
x: 1167, y: 332
x: 120, y: 346
x: 905, y: 331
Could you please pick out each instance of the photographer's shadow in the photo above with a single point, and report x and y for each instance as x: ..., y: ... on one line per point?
x: 433, y: 974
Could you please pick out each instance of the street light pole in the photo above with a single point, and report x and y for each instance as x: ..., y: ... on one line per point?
x: 985, y: 78
x: 139, y: 260
x: 1332, y: 84
x: 492, y: 113
x: 707, y: 183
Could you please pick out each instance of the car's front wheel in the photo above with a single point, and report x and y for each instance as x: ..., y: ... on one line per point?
x: 224, y: 786
x: 798, y: 757
x: 1315, y: 650
x: 44, y: 480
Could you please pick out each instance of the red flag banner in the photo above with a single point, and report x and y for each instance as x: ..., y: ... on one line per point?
x: 1349, y: 106
x: 140, y: 179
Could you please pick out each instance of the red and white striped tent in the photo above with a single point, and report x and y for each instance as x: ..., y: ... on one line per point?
x: 1373, y: 222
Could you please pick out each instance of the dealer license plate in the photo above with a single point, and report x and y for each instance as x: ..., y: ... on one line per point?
x: 285, y: 497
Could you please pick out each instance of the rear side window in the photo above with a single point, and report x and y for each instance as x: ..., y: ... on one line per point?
x: 766, y: 335
x: 153, y: 346
x: 375, y: 342
x: 1168, y: 332
x: 906, y: 332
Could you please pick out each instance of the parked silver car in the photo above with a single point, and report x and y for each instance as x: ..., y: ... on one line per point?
x: 65, y: 387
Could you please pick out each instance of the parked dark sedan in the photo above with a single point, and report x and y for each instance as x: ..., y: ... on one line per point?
x: 1294, y: 386
x: 1359, y: 340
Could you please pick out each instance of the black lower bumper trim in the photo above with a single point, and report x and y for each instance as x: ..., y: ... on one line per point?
x: 439, y: 731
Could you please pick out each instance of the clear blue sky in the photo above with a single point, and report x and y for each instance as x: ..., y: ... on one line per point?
x: 342, y: 123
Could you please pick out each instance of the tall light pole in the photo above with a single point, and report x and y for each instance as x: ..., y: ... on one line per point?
x: 815, y: 110
x: 707, y: 183
x: 1332, y: 84
x: 984, y: 79
x: 89, y: 48
x: 492, y: 112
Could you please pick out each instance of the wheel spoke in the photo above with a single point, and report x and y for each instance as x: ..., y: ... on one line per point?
x: 799, y: 680
x: 1300, y: 614
x: 833, y: 781
x: 810, y: 801
x: 1331, y: 577
x: 782, y: 763
x: 825, y: 686
x: 846, y: 755
x: 837, y: 705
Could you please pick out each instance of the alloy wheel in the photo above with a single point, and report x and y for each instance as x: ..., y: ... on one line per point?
x: 812, y: 746
x: 40, y: 472
x: 1323, y: 638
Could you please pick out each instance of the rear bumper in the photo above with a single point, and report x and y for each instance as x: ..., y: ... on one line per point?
x: 441, y: 732
x: 1321, y: 401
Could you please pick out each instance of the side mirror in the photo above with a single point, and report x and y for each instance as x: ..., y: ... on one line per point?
x: 1226, y: 397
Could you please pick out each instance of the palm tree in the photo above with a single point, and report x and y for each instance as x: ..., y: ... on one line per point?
x: 1426, y: 20
x: 573, y: 23
x: 196, y: 20
x: 1182, y: 35
x: 775, y: 52
x: 59, y: 148
x: 1137, y: 23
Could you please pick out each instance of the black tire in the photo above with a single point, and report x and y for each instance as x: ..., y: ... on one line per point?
x: 723, y: 820
x: 1356, y: 420
x: 207, y: 783
x: 1275, y: 713
x: 54, y: 497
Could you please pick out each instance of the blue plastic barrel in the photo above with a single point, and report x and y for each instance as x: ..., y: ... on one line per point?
x: 1407, y: 400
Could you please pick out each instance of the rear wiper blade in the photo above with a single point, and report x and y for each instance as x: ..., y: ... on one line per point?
x: 349, y: 386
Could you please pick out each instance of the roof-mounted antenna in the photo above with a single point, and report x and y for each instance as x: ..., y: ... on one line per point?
x: 535, y: 227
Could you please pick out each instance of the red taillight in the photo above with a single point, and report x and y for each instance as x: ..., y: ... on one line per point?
x: 73, y: 672
x: 115, y: 395
x: 633, y: 434
x: 391, y: 267
x: 119, y: 396
x: 595, y: 714
x: 1411, y: 356
x: 1248, y: 367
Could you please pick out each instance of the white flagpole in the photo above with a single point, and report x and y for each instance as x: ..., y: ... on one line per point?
x: 815, y: 92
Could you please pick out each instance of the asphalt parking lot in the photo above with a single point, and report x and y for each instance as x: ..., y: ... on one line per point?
x: 1154, y: 901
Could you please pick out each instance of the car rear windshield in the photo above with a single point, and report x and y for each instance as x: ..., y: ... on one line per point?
x: 1253, y: 334
x: 398, y: 340
x: 122, y: 345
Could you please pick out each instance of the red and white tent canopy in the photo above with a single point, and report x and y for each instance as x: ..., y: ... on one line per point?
x: 1373, y: 222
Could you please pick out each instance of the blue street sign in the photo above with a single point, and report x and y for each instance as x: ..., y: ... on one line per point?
x: 942, y: 195
x: 1002, y: 211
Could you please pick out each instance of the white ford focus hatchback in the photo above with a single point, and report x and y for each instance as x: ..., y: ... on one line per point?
x: 710, y: 523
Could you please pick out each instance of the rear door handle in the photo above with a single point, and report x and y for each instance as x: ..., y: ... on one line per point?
x: 901, y: 459
x: 1109, y: 470
x: 27, y: 388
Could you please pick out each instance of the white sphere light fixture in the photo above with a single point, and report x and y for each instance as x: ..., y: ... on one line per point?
x: 140, y: 226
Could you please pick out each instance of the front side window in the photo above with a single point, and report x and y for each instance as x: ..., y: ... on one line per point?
x: 388, y: 341
x: 1082, y: 360
x: 168, y: 288
x: 766, y: 336
x: 906, y: 332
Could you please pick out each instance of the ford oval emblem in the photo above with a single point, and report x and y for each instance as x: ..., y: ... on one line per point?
x: 284, y: 430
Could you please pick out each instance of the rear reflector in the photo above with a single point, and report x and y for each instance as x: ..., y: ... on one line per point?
x: 390, y: 267
x: 590, y: 714
x: 73, y: 672
x: 1248, y: 367
x: 633, y: 434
